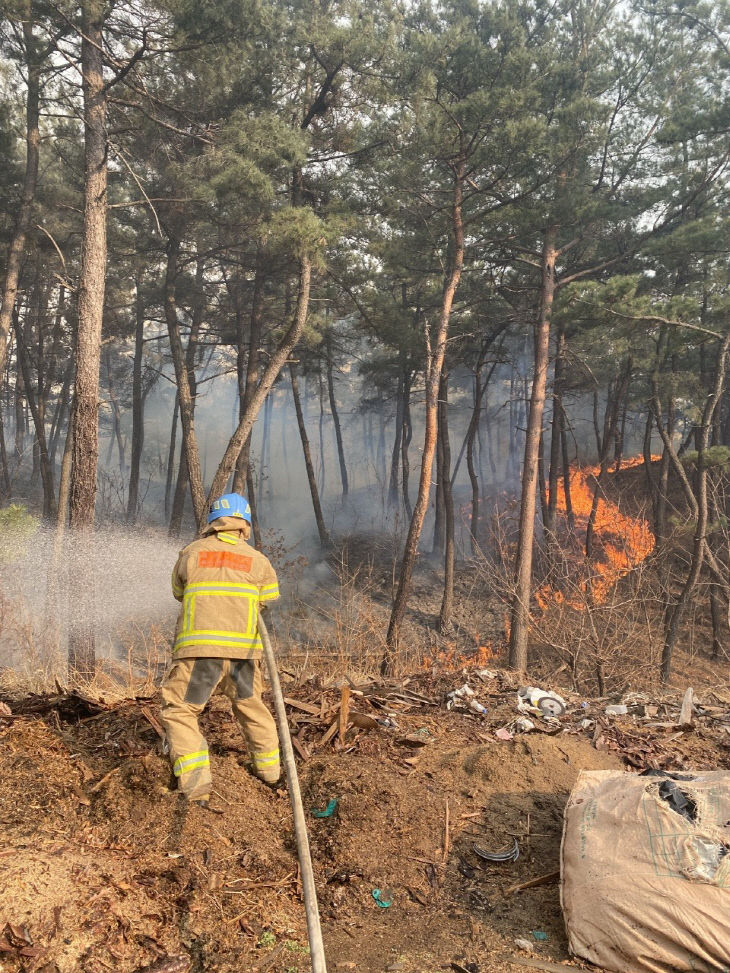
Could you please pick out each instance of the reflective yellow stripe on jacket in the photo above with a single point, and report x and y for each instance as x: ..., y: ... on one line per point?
x: 205, y: 607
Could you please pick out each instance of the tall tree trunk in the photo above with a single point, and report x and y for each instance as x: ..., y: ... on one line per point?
x: 434, y: 364
x: 396, y: 454
x: 183, y: 472
x: 570, y: 516
x: 616, y: 393
x: 137, y: 407
x: 171, y: 456
x: 49, y: 492
x: 5, y: 486
x: 439, y: 520
x: 248, y: 376
x: 255, y: 523
x: 700, y: 549
x: 116, y: 436
x: 405, y: 443
x: 19, y: 415
x: 30, y: 181
x: 276, y: 363
x: 62, y: 410
x: 184, y: 392
x: 324, y: 538
x: 520, y: 613
x: 85, y: 423
x: 336, y: 417
x: 447, y: 602
x: 555, y: 434
x: 470, y: 440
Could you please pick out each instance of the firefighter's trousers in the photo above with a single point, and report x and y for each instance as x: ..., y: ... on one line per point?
x: 186, y: 689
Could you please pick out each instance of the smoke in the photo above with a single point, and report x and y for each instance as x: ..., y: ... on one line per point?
x: 40, y: 591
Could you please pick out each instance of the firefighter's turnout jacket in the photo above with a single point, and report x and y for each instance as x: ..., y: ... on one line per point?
x: 221, y: 581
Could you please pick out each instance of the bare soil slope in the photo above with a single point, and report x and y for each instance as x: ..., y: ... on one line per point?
x: 104, y: 868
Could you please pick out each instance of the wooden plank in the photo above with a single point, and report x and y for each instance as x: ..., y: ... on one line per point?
x: 304, y: 707
x: 326, y: 737
x: 344, y: 712
x: 299, y: 747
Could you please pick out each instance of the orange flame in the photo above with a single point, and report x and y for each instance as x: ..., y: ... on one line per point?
x: 620, y: 542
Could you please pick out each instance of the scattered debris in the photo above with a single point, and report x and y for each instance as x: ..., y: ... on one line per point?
x: 617, y: 709
x: 503, y: 733
x: 541, y: 702
x: 539, y: 936
x: 511, y: 855
x: 382, y: 899
x: 686, y: 718
x: 523, y: 944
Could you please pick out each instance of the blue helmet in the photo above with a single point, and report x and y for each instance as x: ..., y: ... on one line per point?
x: 230, y: 505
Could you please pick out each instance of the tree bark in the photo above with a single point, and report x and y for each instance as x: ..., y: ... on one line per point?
x: 434, y: 364
x: 183, y: 472
x: 5, y: 485
x: 30, y: 181
x: 171, y: 456
x: 470, y: 440
x: 184, y: 392
x: 271, y: 372
x: 699, y: 545
x: 135, y: 459
x: 336, y: 417
x: 396, y: 454
x: 248, y: 376
x: 324, y: 538
x: 447, y: 602
x: 520, y: 613
x: 85, y: 423
x: 49, y: 492
x: 555, y: 435
x: 405, y: 443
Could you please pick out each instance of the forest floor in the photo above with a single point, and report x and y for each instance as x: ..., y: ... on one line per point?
x: 106, y: 868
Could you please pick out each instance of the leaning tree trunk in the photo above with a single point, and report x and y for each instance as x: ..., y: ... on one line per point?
x: 434, y: 364
x: 447, y: 601
x: 520, y: 613
x: 32, y: 150
x: 85, y: 422
x: 276, y: 362
x: 135, y: 459
x: 324, y: 538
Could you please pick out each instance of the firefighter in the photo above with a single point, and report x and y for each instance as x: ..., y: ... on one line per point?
x: 221, y: 581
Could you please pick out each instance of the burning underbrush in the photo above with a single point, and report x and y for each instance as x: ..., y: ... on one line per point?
x: 105, y: 868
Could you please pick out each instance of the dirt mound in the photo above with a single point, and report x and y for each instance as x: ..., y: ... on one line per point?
x: 106, y: 869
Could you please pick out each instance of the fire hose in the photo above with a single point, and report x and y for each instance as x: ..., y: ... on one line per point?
x: 314, y: 930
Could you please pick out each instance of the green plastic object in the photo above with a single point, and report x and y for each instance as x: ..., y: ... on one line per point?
x: 328, y: 811
x: 383, y: 899
x: 539, y: 935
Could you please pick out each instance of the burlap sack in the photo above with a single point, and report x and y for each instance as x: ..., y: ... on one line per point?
x: 644, y: 887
